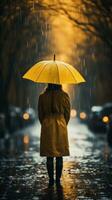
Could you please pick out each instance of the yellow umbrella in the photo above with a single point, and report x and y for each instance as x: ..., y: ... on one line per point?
x: 55, y: 72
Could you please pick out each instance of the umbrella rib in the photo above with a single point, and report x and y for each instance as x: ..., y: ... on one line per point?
x: 70, y: 72
x: 41, y: 71
x: 58, y: 72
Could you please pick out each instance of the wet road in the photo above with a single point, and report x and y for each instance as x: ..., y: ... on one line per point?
x: 87, y: 172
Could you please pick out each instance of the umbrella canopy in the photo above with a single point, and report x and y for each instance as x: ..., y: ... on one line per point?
x: 55, y: 72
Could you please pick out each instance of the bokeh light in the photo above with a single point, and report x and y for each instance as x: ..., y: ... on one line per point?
x: 26, y: 116
x: 73, y: 113
x: 105, y: 119
x: 26, y: 139
x: 83, y: 115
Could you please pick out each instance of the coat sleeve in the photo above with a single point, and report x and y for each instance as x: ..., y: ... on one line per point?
x: 40, y: 113
x: 67, y: 108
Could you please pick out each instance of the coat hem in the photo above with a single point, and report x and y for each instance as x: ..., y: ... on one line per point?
x: 53, y: 155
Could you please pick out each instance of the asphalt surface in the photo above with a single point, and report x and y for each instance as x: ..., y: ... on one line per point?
x: 87, y: 172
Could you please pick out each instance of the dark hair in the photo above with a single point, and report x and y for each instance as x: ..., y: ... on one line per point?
x: 54, y: 86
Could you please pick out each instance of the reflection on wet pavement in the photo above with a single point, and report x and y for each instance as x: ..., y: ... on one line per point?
x: 87, y: 173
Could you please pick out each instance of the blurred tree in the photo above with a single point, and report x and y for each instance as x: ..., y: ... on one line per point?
x: 23, y: 41
x: 96, y: 67
x: 94, y: 18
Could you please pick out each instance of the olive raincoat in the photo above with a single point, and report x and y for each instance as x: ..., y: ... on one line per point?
x: 54, y: 114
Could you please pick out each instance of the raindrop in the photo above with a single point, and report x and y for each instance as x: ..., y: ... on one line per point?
x: 35, y: 198
x: 17, y: 191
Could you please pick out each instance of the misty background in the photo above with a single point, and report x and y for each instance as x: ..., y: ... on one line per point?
x: 78, y: 32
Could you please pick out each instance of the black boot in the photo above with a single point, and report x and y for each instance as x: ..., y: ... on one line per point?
x: 50, y: 170
x: 59, y: 167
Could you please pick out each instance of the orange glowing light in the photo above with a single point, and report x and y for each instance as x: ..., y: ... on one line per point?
x: 105, y: 119
x: 61, y: 35
x: 73, y: 113
x: 83, y: 115
x: 26, y: 116
x: 26, y: 139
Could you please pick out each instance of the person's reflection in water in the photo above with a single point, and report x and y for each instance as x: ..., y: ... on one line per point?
x: 53, y: 193
x: 60, y: 194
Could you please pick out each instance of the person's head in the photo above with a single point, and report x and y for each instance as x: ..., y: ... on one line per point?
x: 54, y: 86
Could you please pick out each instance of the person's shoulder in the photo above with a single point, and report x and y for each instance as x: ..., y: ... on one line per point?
x: 65, y: 94
x: 41, y: 94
